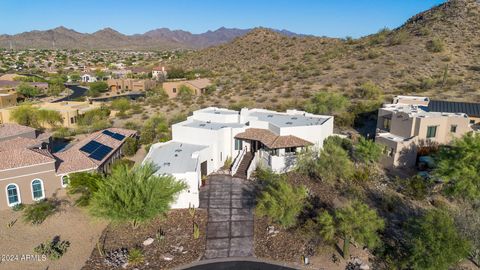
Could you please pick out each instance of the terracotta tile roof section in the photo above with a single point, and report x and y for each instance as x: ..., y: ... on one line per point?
x: 73, y: 159
x: 11, y: 129
x: 18, y: 143
x: 272, y: 140
x: 22, y: 157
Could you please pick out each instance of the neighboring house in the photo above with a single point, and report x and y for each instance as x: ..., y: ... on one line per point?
x: 8, y: 98
x: 411, y: 122
x: 30, y: 172
x: 201, y: 144
x: 120, y: 74
x: 87, y: 78
x: 197, y: 86
x: 159, y: 74
x: 69, y: 110
x: 120, y: 85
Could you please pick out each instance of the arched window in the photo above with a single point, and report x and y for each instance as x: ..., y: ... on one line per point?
x: 65, y: 180
x: 37, y: 189
x: 13, y: 195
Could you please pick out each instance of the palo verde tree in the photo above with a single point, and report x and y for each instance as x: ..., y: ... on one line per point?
x: 367, y: 151
x: 327, y: 103
x: 458, y: 165
x: 334, y: 163
x: 134, y: 195
x: 280, y: 201
x: 27, y: 90
x: 355, y: 222
x: 85, y: 184
x: 434, y: 243
x: 155, y: 129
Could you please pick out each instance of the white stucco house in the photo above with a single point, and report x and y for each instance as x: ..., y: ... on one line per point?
x: 201, y: 144
x: 88, y: 78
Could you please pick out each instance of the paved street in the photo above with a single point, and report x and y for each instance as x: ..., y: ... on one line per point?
x: 230, y: 217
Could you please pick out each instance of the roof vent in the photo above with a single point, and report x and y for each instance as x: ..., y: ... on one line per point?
x: 166, y: 164
x: 217, y: 112
x: 294, y: 118
x: 288, y: 123
x: 178, y: 150
x: 176, y: 155
x: 202, y: 125
x: 270, y: 115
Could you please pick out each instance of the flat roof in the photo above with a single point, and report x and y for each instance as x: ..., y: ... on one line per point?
x: 392, y: 137
x: 212, y: 125
x: 288, y: 120
x: 222, y: 111
x: 419, y: 111
x: 174, y: 157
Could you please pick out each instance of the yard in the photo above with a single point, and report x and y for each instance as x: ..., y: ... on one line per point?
x: 70, y: 223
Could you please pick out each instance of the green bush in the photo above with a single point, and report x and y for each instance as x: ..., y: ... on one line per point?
x: 130, y: 146
x: 135, y: 257
x: 398, y: 37
x: 417, y: 187
x: 434, y: 243
x: 367, y: 151
x: 54, y: 249
x: 280, y: 201
x: 85, y: 184
x: 39, y: 211
x: 327, y: 103
x: 435, y: 45
x: 134, y: 195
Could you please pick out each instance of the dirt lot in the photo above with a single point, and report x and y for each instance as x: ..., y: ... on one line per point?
x: 176, y: 242
x: 71, y: 224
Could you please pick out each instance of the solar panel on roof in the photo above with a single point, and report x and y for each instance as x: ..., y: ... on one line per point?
x: 90, y: 147
x: 101, y: 152
x: 118, y: 136
x: 108, y: 132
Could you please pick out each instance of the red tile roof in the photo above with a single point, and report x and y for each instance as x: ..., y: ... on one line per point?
x: 12, y: 129
x: 72, y: 159
x: 272, y: 140
x: 22, y: 157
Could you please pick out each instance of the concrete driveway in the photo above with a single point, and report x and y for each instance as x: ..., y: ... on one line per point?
x: 230, y: 203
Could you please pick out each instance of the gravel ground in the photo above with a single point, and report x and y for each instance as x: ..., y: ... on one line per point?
x: 177, y: 242
x: 71, y: 224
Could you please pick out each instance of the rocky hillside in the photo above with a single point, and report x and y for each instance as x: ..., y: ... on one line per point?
x: 110, y: 39
x: 435, y: 53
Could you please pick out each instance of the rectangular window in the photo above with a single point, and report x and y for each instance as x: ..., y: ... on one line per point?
x: 71, y: 120
x: 238, y: 144
x: 431, y: 132
x: 472, y: 122
x: 290, y: 150
x: 453, y: 128
x: 174, y: 90
x: 386, y: 124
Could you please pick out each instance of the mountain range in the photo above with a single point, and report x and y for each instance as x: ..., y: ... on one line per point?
x: 110, y: 39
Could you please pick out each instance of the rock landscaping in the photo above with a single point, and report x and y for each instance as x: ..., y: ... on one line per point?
x: 165, y: 243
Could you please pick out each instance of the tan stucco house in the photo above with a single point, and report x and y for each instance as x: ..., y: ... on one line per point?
x: 29, y: 171
x: 411, y: 122
x: 122, y: 85
x: 198, y: 86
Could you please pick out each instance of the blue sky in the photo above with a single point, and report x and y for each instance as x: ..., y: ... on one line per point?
x: 334, y: 18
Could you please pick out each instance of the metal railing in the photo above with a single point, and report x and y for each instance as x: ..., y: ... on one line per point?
x: 237, y: 161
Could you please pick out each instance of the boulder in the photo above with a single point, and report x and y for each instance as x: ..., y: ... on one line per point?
x: 148, y: 242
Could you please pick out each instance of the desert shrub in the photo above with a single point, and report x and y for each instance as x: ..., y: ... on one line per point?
x: 155, y: 129
x: 369, y: 91
x: 334, y: 164
x: 134, y: 195
x: 434, y: 242
x: 96, y: 88
x: 367, y: 151
x: 417, y: 187
x: 398, y: 37
x: 435, y: 45
x: 85, y: 184
x: 135, y: 257
x: 130, y: 146
x: 355, y: 221
x: 326, y: 103
x: 54, y: 249
x: 281, y: 202
x: 63, y: 132
x: 121, y: 104
x: 39, y: 211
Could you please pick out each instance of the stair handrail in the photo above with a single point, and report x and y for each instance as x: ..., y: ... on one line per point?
x: 237, y: 161
x: 252, y: 166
